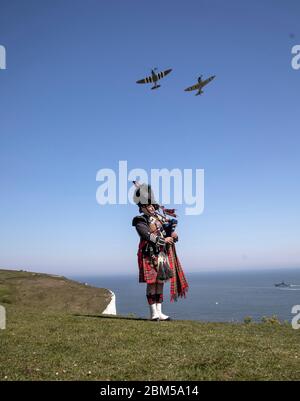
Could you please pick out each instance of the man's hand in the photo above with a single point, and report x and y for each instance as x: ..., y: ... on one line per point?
x: 169, y: 240
x: 174, y: 235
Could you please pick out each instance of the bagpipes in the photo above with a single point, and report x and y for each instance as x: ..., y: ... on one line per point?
x: 169, y: 225
x: 164, y: 271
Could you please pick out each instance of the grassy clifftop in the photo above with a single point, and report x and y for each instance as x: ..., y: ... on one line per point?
x: 65, y: 342
x: 50, y: 293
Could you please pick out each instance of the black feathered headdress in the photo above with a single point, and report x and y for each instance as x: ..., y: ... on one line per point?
x: 143, y: 195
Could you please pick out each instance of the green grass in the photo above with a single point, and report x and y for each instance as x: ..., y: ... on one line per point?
x: 45, y: 344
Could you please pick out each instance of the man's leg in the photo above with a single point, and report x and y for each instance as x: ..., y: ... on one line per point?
x: 159, y: 300
x: 151, y: 298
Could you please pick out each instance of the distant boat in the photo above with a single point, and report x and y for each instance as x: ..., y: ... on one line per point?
x: 282, y: 285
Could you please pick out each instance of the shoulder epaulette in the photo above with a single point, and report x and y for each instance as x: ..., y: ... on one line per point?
x: 137, y: 219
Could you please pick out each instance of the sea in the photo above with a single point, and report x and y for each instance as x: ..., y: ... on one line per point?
x: 212, y: 296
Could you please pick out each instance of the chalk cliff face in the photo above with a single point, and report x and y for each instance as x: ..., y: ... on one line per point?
x: 111, y: 307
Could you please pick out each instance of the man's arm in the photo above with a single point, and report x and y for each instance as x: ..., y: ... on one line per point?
x: 144, y: 232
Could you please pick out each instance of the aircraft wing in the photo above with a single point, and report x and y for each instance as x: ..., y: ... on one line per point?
x: 163, y: 73
x: 145, y: 80
x: 206, y: 81
x: 150, y: 79
x: 192, y: 88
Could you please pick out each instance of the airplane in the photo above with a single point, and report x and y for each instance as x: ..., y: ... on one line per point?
x: 200, y: 85
x: 155, y: 76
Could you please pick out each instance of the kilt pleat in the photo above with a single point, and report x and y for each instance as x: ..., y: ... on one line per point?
x: 147, y: 271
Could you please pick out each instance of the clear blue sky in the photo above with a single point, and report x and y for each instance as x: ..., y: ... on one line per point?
x: 69, y: 106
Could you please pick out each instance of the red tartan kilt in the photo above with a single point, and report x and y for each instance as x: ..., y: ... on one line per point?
x: 147, y: 272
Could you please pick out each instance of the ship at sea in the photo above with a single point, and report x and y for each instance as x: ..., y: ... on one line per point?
x: 282, y: 285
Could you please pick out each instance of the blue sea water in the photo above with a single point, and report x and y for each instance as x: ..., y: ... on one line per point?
x: 212, y: 296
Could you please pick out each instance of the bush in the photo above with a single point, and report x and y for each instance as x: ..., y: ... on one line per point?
x: 271, y: 320
x: 5, y: 300
x: 248, y: 320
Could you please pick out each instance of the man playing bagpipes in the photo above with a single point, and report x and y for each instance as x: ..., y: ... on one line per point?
x: 157, y: 259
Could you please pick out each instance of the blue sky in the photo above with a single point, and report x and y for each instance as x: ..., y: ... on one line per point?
x: 69, y: 106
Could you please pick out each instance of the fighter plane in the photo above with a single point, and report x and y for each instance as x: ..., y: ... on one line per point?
x: 155, y: 76
x: 200, y: 85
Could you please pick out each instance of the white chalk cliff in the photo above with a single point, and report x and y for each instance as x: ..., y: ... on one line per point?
x: 111, y: 307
